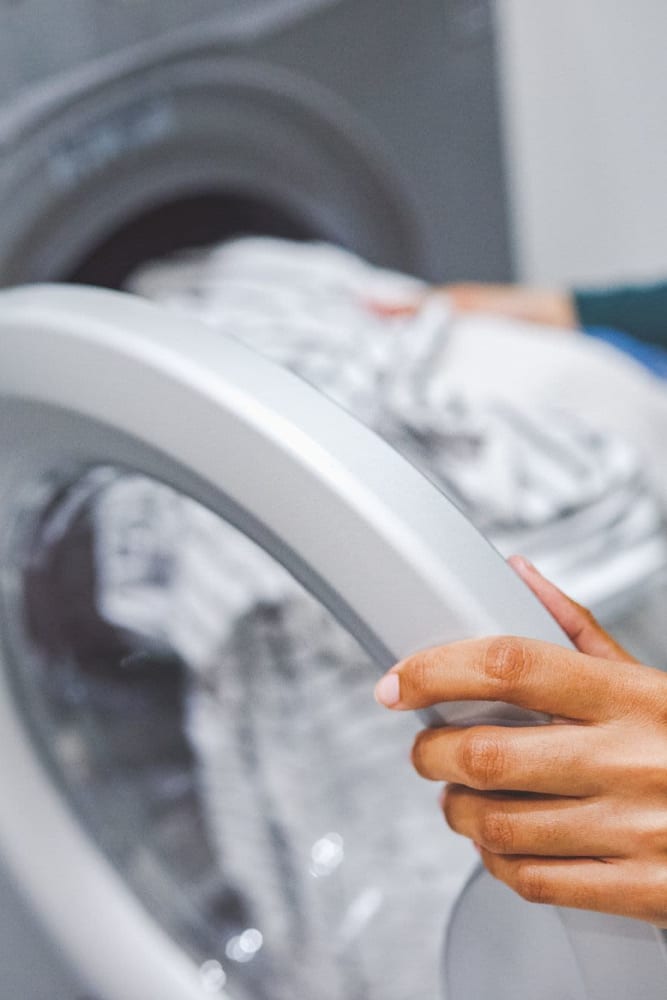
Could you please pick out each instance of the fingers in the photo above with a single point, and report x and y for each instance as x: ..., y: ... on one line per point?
x: 551, y: 827
x: 629, y: 889
x: 476, y: 297
x: 537, y: 305
x: 577, y: 622
x: 394, y: 310
x: 534, y: 305
x: 550, y: 760
x: 525, y: 672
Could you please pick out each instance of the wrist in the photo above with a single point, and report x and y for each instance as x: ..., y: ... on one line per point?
x: 562, y: 309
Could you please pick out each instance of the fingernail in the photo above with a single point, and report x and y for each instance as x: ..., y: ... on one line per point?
x: 388, y: 690
x: 521, y: 564
x: 442, y: 796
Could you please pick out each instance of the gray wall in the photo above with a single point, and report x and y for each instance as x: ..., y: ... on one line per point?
x: 585, y: 101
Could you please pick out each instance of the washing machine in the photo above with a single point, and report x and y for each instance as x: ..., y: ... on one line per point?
x: 129, y: 867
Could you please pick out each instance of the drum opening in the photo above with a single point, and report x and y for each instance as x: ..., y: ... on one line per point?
x: 196, y: 220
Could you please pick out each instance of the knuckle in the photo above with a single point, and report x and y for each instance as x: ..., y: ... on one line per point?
x: 496, y: 833
x: 646, y: 831
x: 506, y: 663
x: 530, y: 884
x: 591, y: 620
x: 586, y: 623
x: 585, y: 613
x: 482, y: 760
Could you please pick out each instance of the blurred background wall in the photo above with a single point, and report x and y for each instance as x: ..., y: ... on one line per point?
x: 585, y: 110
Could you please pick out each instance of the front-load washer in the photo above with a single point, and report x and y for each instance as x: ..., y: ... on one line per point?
x: 102, y: 835
x: 130, y: 130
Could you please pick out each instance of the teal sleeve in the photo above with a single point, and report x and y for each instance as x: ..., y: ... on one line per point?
x: 640, y: 311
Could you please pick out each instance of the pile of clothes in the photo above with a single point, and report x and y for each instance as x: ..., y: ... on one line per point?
x: 537, y: 436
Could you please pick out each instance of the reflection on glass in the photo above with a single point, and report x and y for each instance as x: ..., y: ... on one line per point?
x: 211, y: 722
x: 326, y: 854
x: 213, y: 976
x: 244, y: 947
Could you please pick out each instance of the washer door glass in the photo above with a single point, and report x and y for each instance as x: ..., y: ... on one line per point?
x: 214, y: 729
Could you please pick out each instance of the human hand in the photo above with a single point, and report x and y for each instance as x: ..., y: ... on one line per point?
x: 534, y: 305
x: 573, y: 813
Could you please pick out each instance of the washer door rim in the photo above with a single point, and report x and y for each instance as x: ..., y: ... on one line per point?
x: 396, y: 562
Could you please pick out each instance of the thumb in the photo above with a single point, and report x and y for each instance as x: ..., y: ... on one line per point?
x: 578, y: 623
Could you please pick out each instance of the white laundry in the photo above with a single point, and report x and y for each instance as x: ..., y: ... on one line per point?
x: 547, y: 441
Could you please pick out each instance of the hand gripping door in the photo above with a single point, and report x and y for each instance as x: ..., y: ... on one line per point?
x: 92, y: 378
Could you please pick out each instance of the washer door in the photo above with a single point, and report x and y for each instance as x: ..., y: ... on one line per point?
x: 195, y: 804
